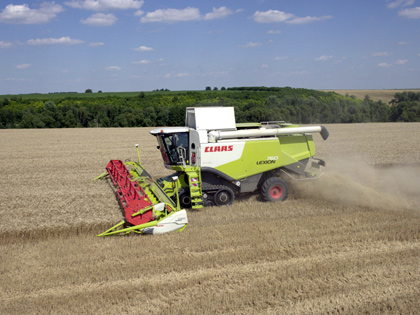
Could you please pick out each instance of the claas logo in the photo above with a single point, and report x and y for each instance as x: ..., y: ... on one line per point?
x: 219, y: 148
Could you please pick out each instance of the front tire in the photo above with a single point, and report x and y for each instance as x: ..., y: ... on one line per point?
x: 185, y: 199
x: 274, y: 189
x: 224, y: 196
x: 209, y: 203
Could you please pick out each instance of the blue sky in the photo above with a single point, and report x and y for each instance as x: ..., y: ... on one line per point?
x: 131, y: 45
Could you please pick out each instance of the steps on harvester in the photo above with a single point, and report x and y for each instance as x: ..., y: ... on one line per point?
x: 194, y: 180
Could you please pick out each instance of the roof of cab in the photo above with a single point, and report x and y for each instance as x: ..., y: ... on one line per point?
x: 165, y: 130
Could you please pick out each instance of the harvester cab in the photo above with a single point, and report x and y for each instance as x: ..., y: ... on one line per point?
x: 173, y: 144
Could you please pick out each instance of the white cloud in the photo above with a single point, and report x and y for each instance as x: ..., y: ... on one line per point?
x: 143, y: 48
x: 399, y: 3
x: 272, y: 16
x: 381, y: 53
x: 323, y: 58
x: 4, y: 44
x: 308, y: 19
x: 384, y: 65
x: 113, y: 68
x: 275, y: 16
x: 251, y: 44
x: 52, y: 41
x: 103, y: 5
x: 142, y: 62
x: 22, y: 14
x: 274, y: 32
x: 340, y: 60
x: 412, y: 13
x: 100, y: 19
x: 181, y: 75
x: 182, y: 15
x: 401, y: 61
x: 281, y: 58
x: 96, y: 44
x: 172, y: 15
x: 23, y: 66
x: 219, y: 13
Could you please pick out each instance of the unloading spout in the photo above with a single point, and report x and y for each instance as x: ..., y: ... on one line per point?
x: 256, y: 133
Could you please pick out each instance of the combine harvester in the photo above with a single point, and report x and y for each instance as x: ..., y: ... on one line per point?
x: 214, y: 160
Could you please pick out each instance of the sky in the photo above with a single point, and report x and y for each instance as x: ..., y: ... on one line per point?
x: 135, y: 45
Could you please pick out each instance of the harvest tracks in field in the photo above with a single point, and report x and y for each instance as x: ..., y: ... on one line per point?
x: 305, y: 255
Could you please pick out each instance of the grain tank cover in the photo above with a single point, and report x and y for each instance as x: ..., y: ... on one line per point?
x: 210, y: 118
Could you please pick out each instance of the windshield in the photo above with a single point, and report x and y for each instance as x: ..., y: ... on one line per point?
x: 172, y: 145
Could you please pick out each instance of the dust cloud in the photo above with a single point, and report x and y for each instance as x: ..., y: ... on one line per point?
x: 355, y: 182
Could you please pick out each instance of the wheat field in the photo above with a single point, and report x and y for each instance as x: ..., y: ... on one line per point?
x: 376, y: 95
x: 347, y: 243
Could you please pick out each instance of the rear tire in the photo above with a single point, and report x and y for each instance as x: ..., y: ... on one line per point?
x: 274, y: 189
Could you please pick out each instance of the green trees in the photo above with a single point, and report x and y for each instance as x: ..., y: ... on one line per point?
x: 252, y: 104
x: 406, y: 107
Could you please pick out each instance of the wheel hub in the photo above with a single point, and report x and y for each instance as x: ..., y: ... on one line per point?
x: 276, y: 192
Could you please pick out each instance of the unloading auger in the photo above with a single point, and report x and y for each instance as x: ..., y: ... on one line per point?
x: 147, y: 209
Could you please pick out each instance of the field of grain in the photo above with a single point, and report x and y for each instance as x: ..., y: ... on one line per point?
x: 347, y: 243
x: 384, y: 95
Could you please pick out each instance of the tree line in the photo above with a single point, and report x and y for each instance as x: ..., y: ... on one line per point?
x: 252, y: 104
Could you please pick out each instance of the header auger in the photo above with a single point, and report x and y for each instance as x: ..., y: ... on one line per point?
x: 214, y: 160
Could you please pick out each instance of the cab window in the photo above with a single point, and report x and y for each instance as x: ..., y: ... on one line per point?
x: 172, y: 145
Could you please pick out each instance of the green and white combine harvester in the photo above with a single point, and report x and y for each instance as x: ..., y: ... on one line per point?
x: 214, y: 160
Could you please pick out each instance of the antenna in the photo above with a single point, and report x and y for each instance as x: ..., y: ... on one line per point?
x: 138, y: 154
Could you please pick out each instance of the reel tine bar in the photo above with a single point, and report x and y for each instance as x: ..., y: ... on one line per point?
x: 131, y: 195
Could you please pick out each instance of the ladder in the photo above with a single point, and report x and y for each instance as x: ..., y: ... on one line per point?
x: 194, y: 182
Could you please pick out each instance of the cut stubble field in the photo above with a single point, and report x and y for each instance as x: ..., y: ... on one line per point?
x: 346, y: 243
